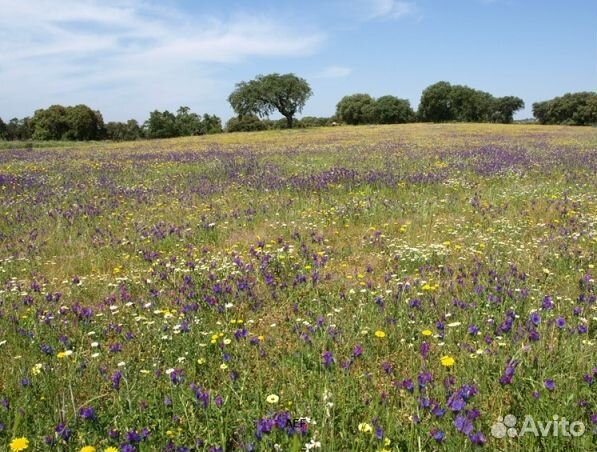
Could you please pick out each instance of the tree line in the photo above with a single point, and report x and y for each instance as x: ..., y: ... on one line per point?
x: 254, y: 101
x: 82, y: 123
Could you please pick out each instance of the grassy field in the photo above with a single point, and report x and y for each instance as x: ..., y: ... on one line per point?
x: 352, y: 288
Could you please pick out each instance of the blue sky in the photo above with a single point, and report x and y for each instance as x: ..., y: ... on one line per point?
x: 129, y: 57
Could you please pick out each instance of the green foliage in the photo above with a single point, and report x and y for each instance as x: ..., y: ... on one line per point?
x: 356, y: 109
x: 443, y: 102
x: 470, y: 105
x: 391, y: 110
x: 123, y: 131
x: 184, y: 123
x: 211, y: 124
x: 436, y: 102
x: 245, y: 123
x: 67, y: 123
x: 265, y: 94
x: 571, y: 109
x: 19, y: 129
x: 50, y: 123
x: 161, y: 125
x: 307, y: 122
x: 84, y: 124
x: 253, y: 123
x: 505, y: 107
x: 2, y: 130
x: 187, y: 123
x: 364, y: 109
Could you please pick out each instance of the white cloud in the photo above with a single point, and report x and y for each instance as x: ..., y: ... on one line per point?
x: 393, y: 9
x: 334, y: 72
x: 129, y: 51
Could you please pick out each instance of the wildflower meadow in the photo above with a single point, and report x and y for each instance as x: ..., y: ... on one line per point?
x: 375, y: 288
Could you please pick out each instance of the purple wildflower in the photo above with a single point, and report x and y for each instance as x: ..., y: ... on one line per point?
x: 506, y: 377
x: 116, y: 377
x: 87, y: 413
x: 463, y: 424
x: 424, y: 349
x: 176, y: 376
x: 477, y: 438
x: 327, y: 358
x: 437, y: 435
x: 473, y: 330
x: 63, y: 431
x: 407, y: 385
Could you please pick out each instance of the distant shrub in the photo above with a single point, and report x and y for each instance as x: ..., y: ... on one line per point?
x: 245, y: 123
x: 313, y: 121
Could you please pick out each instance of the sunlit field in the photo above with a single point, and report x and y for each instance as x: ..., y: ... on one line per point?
x: 344, y: 288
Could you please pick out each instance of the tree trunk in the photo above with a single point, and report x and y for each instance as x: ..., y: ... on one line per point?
x: 289, y: 121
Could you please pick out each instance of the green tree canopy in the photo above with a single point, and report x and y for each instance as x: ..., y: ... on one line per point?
x: 356, y: 109
x: 391, y: 110
x: 469, y: 105
x: 505, y: 107
x: 184, y: 123
x: 265, y: 94
x: 2, y: 130
x: 19, y: 129
x: 435, y: 104
x: 187, y: 122
x: 77, y: 122
x: 211, y: 124
x: 442, y: 102
x: 123, y: 131
x: 571, y: 108
x: 83, y: 124
x: 49, y: 123
x: 161, y: 125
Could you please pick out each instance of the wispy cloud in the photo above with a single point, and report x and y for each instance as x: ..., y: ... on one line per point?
x: 71, y: 50
x: 334, y: 72
x: 393, y: 9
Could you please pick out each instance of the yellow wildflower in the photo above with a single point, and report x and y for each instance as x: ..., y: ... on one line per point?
x: 365, y: 428
x: 19, y: 444
x: 447, y: 361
